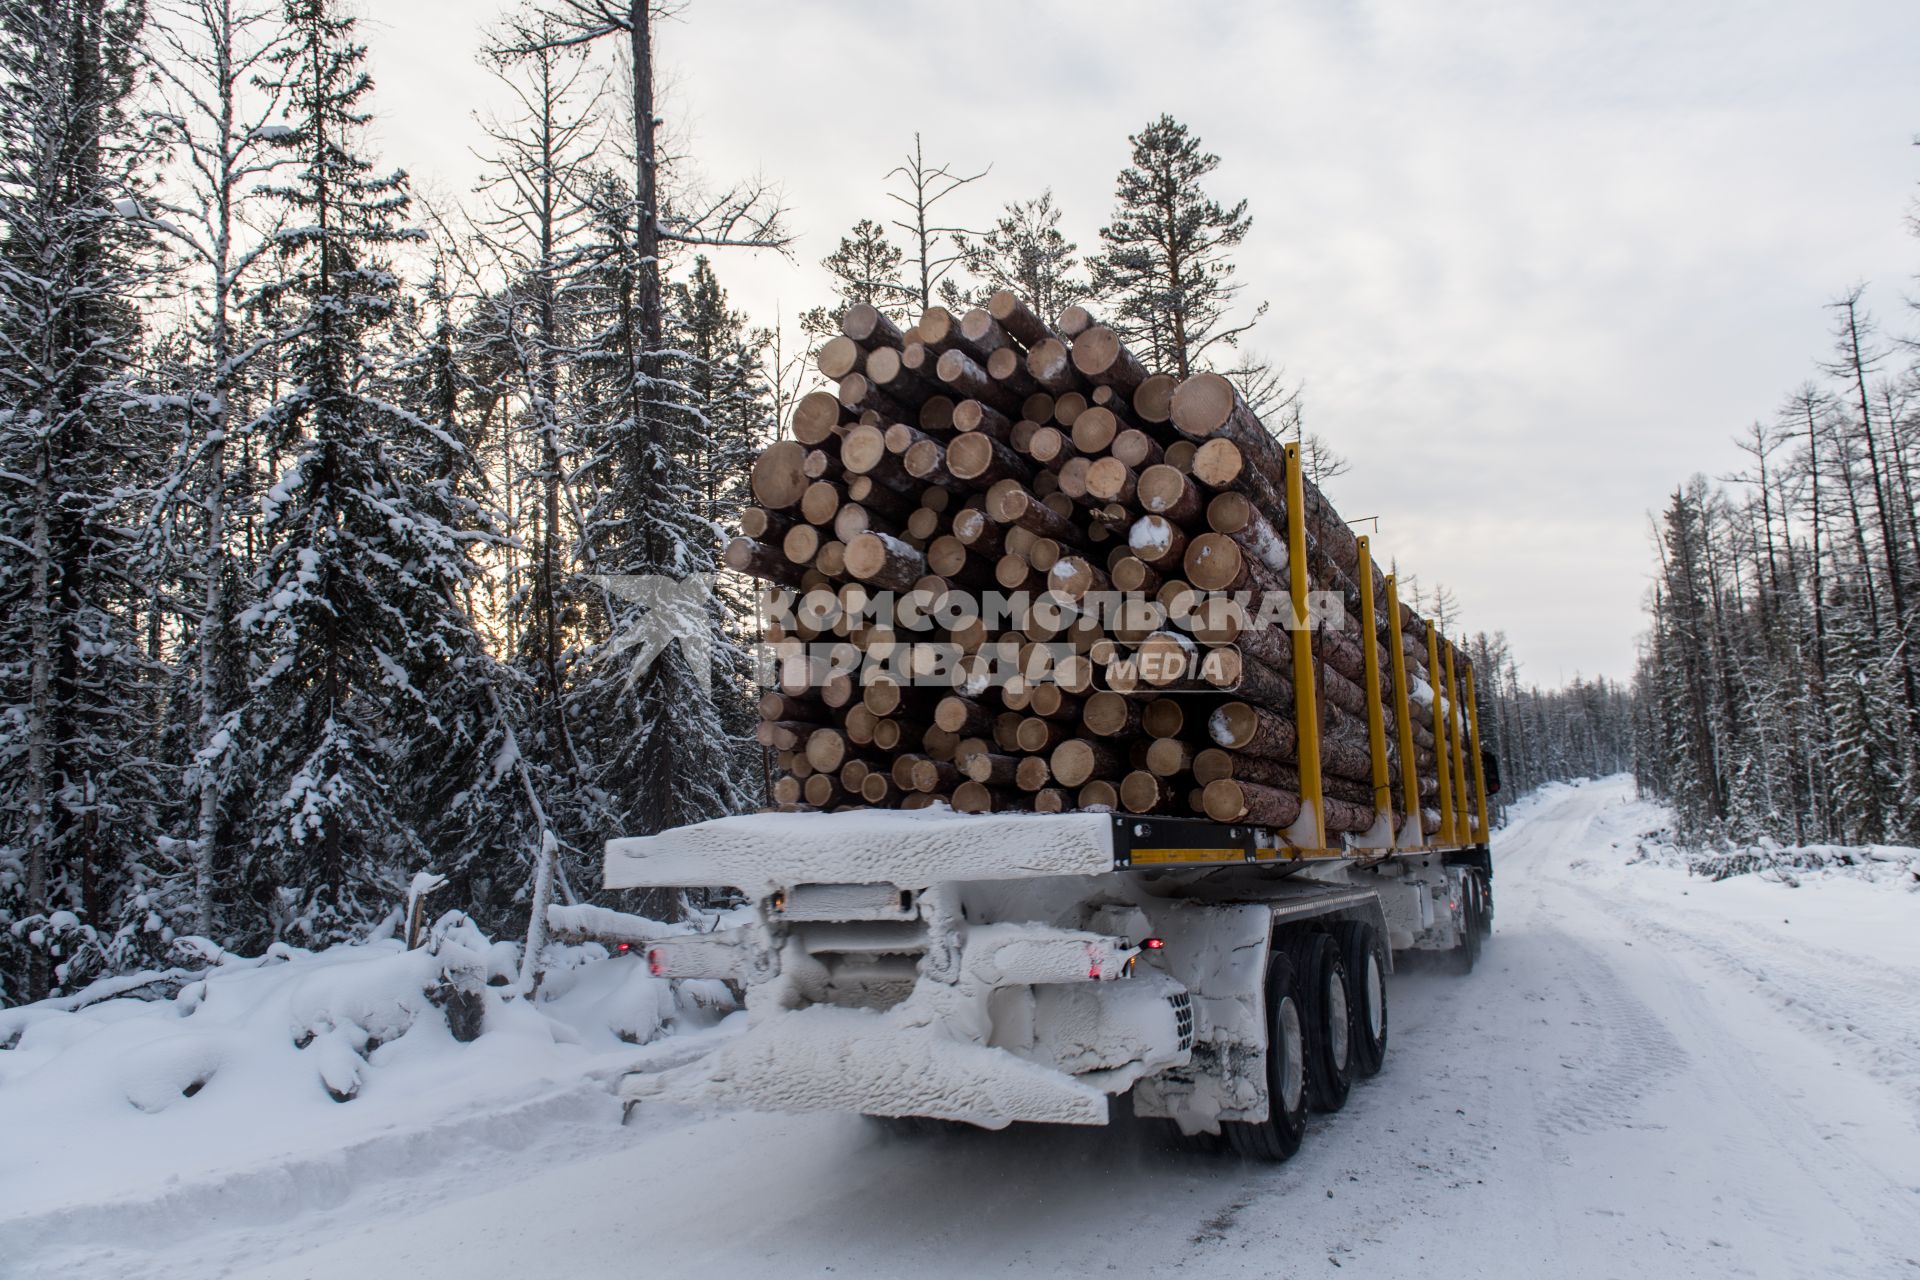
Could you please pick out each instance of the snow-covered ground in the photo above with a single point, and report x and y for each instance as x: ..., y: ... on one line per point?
x: 1650, y: 1074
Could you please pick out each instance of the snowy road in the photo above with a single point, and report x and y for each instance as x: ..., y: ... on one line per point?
x: 1647, y: 1076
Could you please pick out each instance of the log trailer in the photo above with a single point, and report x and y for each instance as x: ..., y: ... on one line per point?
x: 994, y: 967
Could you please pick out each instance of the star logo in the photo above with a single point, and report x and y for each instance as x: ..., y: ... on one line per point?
x: 674, y: 609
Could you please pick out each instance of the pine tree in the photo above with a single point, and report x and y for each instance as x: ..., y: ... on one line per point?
x: 865, y: 268
x: 1026, y: 251
x: 1167, y: 264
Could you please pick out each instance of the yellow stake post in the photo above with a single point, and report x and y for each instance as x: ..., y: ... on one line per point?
x: 1442, y: 756
x: 1479, y: 768
x: 1458, y: 762
x: 1403, y: 713
x: 1382, y: 833
x: 1310, y: 829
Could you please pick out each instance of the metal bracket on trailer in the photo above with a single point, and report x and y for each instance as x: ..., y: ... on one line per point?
x: 1144, y: 840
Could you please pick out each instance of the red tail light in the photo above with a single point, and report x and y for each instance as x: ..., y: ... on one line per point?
x: 654, y: 964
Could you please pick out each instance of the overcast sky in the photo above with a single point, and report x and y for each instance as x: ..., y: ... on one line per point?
x: 1535, y: 263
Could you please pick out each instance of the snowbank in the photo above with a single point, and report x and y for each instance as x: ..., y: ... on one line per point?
x: 246, y: 1072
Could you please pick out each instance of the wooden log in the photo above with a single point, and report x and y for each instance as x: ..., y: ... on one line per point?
x: 1037, y: 407
x: 1050, y: 365
x: 1028, y: 329
x: 1095, y: 430
x: 819, y: 464
x: 758, y: 560
x: 979, y: 327
x: 975, y: 415
x: 980, y: 461
x: 956, y: 714
x: 942, y: 331
x: 1052, y: 800
x: 1241, y: 726
x: 1074, y: 321
x: 826, y: 750
x: 823, y: 790
x: 837, y: 357
x: 1130, y: 573
x: 1235, y: 516
x: 972, y: 797
x: 817, y: 417
x: 1169, y: 492
x: 962, y: 376
x: 991, y: 768
x: 1009, y: 502
x: 1050, y: 447
x: 1078, y: 760
x: 865, y: 324
x: 802, y: 544
x: 785, y: 735
x: 1153, y: 398
x: 1031, y: 773
x: 1008, y: 367
x: 1214, y: 763
x: 1038, y: 734
x: 1164, y: 718
x: 1144, y: 792
x: 1098, y: 354
x: 936, y: 415
x: 1074, y: 576
x: 878, y: 790
x: 1137, y: 449
x: 861, y: 394
x: 1158, y: 541
x: 1098, y: 794
x: 1168, y: 757
x: 887, y: 369
x: 1112, y: 480
x: 778, y: 476
x: 885, y: 561
x: 935, y: 776
x: 1229, y: 800
x: 1068, y: 408
x: 788, y: 790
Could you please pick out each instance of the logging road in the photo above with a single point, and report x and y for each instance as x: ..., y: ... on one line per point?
x: 1647, y: 1075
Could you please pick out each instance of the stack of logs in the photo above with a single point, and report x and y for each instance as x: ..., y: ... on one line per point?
x: 992, y: 451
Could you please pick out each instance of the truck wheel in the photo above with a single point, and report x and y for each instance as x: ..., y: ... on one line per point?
x: 1468, y: 951
x: 1326, y: 1005
x: 1279, y: 1135
x: 1486, y: 904
x: 1366, y: 974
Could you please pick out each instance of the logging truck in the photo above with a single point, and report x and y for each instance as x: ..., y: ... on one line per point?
x: 1012, y: 868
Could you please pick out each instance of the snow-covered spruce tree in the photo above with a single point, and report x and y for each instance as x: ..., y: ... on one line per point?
x: 362, y: 649
x: 1167, y: 268
x: 80, y: 876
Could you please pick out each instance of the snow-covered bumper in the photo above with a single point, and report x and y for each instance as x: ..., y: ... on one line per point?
x: 1019, y: 1022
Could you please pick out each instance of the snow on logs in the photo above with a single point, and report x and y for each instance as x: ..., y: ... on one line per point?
x: 1144, y: 517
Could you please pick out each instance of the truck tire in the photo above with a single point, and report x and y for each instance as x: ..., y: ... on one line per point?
x: 1486, y: 904
x: 1278, y: 1136
x: 1367, y: 978
x: 1326, y: 1006
x: 1464, y: 955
